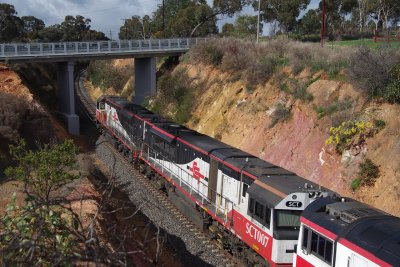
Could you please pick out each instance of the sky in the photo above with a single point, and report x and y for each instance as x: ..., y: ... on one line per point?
x: 106, y: 15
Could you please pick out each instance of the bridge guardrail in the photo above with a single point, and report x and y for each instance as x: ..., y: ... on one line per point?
x: 15, y: 50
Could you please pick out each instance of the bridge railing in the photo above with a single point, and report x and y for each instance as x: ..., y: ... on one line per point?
x: 96, y: 47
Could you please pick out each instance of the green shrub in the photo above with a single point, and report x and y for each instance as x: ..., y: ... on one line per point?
x: 392, y: 92
x: 369, y: 69
x: 321, y: 112
x: 368, y: 172
x: 175, y: 95
x: 380, y: 124
x: 284, y: 87
x: 261, y: 71
x: 302, y: 93
x: 334, y: 107
x: 349, y: 133
x: 320, y: 64
x: 213, y: 55
x: 103, y: 74
x: 281, y: 114
x: 335, y: 68
x: 355, y: 184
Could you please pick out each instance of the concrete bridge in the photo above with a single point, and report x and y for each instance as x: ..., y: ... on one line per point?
x: 66, y: 53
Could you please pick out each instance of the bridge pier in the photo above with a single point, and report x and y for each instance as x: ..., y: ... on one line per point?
x: 145, y: 79
x: 66, y: 96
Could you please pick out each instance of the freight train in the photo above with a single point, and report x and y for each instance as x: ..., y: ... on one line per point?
x: 253, y: 208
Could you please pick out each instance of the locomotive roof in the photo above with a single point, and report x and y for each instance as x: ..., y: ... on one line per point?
x: 367, y: 227
x: 271, y: 189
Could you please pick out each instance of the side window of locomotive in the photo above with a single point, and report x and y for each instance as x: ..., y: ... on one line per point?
x: 245, y: 187
x: 101, y: 105
x: 267, y: 217
x: 251, y: 206
x: 259, y: 210
x: 318, y: 245
x: 305, y: 241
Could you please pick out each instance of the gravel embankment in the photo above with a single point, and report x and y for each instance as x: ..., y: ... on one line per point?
x: 180, y: 236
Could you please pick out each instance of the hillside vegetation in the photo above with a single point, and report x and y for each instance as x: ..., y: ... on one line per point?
x: 329, y: 114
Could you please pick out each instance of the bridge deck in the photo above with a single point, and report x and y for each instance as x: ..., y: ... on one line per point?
x: 70, y: 51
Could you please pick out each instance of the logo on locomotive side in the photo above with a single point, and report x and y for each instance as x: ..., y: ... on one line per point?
x: 257, y: 235
x: 196, y: 171
x: 115, y: 117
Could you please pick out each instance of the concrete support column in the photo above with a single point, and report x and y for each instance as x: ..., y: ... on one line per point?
x: 145, y: 79
x: 66, y: 96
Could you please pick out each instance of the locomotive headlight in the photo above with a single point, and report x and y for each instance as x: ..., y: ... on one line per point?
x: 294, y: 197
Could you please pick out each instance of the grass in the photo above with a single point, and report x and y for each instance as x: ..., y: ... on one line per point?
x: 365, y: 42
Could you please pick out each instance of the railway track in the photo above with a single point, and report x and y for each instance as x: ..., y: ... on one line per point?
x: 203, y: 238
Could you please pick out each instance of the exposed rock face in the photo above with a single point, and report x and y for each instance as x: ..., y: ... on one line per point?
x: 21, y: 115
x: 242, y: 118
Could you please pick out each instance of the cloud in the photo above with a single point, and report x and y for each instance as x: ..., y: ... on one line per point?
x: 105, y: 15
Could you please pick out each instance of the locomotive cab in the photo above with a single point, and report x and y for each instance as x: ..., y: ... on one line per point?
x: 101, y: 114
x: 279, y: 217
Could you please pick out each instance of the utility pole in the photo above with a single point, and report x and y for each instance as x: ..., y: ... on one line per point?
x: 323, y: 23
x: 111, y: 35
x: 258, y: 20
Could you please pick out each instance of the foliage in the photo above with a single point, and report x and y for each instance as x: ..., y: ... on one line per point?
x: 281, y: 113
x: 183, y: 19
x: 11, y: 26
x: 136, y: 28
x: 349, y: 133
x: 281, y: 12
x: 262, y: 71
x: 207, y: 53
x: 176, y: 94
x: 37, y: 233
x: 336, y: 13
x: 310, y: 23
x: 368, y: 172
x: 45, y: 170
x: 355, y: 184
x: 370, y: 69
x: 229, y: 7
x: 302, y: 93
x: 103, y: 74
x: 245, y: 27
x: 32, y: 26
x: 392, y: 91
x: 40, y: 231
x: 334, y: 107
x: 194, y: 21
x: 380, y: 124
x: 13, y: 111
x: 74, y: 27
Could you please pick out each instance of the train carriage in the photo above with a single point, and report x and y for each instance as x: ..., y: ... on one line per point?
x: 257, y: 202
x: 344, y: 232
